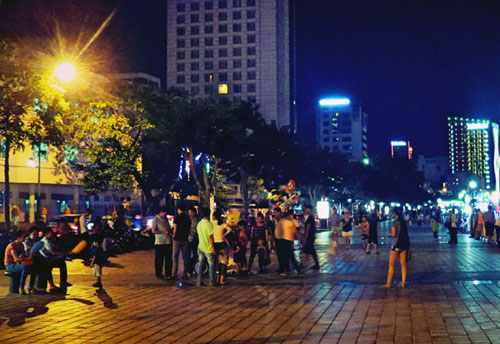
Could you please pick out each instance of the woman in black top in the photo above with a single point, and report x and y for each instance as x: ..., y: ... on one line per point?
x: 400, y: 246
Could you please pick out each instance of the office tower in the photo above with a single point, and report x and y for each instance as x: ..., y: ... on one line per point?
x: 472, y: 147
x: 234, y: 48
x: 342, y: 127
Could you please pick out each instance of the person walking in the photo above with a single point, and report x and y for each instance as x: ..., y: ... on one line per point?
x: 489, y: 223
x: 335, y: 230
x: 206, y: 250
x: 83, y: 234
x: 310, y: 236
x: 182, y: 226
x: 373, y: 229
x: 346, y: 226
x: 163, y: 244
x: 400, y: 246
x: 473, y: 223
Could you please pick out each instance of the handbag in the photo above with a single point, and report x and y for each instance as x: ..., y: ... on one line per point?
x: 408, y: 255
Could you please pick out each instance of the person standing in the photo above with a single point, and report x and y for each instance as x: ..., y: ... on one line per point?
x: 182, y: 226
x: 452, y: 223
x: 489, y: 223
x: 193, y: 239
x: 278, y: 239
x: 289, y: 230
x: 206, y: 250
x: 400, y: 246
x: 259, y: 243
x: 373, y: 229
x: 163, y: 244
x: 310, y: 235
x: 364, y: 227
x: 480, y: 225
x: 346, y: 226
x: 83, y: 234
x: 473, y: 223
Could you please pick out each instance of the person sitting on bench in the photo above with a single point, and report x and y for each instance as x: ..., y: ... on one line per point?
x: 14, y: 254
x: 51, y: 258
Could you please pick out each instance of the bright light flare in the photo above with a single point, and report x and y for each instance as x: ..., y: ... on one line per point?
x: 65, y: 72
x: 334, y: 101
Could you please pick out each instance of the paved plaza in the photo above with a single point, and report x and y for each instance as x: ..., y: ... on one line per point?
x: 453, y: 297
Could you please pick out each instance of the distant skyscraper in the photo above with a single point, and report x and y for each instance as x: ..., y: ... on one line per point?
x: 472, y: 146
x: 342, y: 127
x: 401, y: 148
x: 234, y: 48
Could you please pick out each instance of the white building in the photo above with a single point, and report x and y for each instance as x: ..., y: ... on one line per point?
x: 342, y: 127
x: 234, y: 48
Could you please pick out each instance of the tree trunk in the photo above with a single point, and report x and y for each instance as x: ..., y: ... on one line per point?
x: 203, y: 190
x: 244, y: 192
x: 7, y: 183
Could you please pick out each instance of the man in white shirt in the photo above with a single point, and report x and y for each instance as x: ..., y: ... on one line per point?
x: 163, y: 244
x: 83, y: 234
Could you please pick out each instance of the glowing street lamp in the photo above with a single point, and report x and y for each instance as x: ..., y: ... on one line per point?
x: 473, y: 184
x: 65, y: 72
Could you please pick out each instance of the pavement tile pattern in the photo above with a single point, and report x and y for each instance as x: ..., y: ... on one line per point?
x: 454, y: 297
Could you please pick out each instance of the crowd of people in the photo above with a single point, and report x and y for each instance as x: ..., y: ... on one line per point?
x: 211, y: 241
x: 207, y: 242
x: 39, y: 250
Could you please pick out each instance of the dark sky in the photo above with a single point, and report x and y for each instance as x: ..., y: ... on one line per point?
x: 409, y: 63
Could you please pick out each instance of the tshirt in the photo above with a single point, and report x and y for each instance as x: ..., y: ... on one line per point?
x: 289, y: 227
x: 218, y: 231
x: 98, y: 253
x: 259, y: 233
x: 183, y: 223
x: 335, y: 220
x: 278, y: 229
x: 47, y: 247
x: 15, y: 246
x: 161, y: 223
x: 205, y: 230
x: 346, y: 225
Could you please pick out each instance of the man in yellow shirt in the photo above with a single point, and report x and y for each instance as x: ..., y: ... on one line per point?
x: 289, y: 226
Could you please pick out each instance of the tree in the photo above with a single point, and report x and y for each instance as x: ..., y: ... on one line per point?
x: 13, y: 110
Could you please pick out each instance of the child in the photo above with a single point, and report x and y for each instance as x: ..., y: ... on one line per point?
x: 364, y: 227
x: 97, y: 261
x: 223, y: 261
x: 241, y: 250
x: 435, y: 227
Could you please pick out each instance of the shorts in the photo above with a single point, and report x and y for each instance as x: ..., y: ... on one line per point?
x: 364, y: 236
x: 397, y: 249
x: 489, y: 228
x: 346, y: 234
x: 219, y: 246
x: 372, y: 239
x: 97, y: 270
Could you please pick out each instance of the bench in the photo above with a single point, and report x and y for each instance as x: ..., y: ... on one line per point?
x: 15, y: 281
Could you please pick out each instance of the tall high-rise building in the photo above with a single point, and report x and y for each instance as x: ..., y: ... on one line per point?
x: 472, y: 147
x: 342, y: 127
x: 234, y: 48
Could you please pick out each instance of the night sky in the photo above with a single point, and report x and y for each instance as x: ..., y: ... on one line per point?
x: 410, y: 64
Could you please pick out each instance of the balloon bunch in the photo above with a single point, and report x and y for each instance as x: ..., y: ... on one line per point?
x: 285, y: 197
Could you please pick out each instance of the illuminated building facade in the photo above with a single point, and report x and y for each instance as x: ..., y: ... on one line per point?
x: 473, y: 149
x: 242, y: 49
x: 342, y: 127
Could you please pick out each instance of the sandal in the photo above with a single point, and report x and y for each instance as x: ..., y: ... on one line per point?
x: 385, y: 286
x: 401, y: 286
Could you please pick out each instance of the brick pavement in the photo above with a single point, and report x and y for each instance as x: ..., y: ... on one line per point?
x: 454, y: 297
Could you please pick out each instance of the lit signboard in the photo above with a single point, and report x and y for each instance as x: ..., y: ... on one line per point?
x: 477, y: 126
x: 323, y: 208
x: 398, y: 143
x: 334, y: 101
